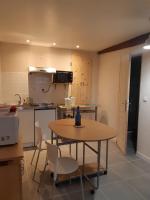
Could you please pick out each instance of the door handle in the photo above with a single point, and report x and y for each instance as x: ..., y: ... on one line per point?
x: 126, y: 105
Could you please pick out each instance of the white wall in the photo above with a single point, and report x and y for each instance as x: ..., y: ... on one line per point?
x: 143, y: 146
x: 15, y: 59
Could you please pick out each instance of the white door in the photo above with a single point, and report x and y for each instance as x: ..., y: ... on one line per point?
x: 123, y: 100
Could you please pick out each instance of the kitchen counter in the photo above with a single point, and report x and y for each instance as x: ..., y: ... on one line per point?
x: 38, y: 107
x: 64, y: 111
x: 82, y: 106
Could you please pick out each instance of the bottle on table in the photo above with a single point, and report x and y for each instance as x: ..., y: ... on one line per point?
x: 78, y: 117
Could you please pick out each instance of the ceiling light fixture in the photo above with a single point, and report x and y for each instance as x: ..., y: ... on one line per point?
x: 77, y: 46
x: 54, y: 43
x: 28, y: 41
x: 147, y: 43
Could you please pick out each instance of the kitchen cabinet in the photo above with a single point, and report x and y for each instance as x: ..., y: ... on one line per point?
x: 44, y: 116
x: 27, y: 119
x: 11, y: 171
x: 26, y: 126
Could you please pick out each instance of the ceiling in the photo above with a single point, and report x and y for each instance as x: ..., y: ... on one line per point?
x: 92, y: 24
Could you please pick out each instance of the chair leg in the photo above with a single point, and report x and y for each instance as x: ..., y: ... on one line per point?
x: 70, y: 149
x: 42, y: 175
x: 76, y: 150
x: 82, y: 189
x: 53, y: 186
x: 33, y: 156
x: 36, y: 165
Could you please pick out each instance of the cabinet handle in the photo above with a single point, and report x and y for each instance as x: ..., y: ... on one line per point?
x: 4, y: 163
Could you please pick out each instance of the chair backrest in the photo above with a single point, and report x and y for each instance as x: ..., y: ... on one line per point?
x: 52, y: 155
x: 38, y: 134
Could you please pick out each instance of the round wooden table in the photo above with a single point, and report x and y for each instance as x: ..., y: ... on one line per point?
x: 90, y: 131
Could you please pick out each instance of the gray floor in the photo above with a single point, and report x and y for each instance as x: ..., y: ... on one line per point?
x: 128, y: 178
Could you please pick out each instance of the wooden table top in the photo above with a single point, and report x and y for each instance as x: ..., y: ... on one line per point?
x: 91, y: 130
x: 12, y: 152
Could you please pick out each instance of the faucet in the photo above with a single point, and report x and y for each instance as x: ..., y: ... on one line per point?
x: 19, y: 101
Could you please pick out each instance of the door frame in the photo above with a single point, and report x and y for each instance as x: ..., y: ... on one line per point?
x: 123, y: 100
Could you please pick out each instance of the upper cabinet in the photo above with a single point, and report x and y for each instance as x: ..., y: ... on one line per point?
x: 82, y: 75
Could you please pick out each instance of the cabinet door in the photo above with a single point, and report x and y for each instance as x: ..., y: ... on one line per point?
x: 88, y: 116
x: 44, y: 116
x: 26, y: 126
x: 11, y: 180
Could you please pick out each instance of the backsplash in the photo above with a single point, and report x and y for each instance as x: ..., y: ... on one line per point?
x: 13, y: 83
x: 41, y: 89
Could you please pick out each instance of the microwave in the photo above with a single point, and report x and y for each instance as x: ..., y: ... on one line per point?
x: 63, y: 77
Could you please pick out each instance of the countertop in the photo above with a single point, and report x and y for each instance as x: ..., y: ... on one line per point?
x: 32, y: 107
x: 50, y: 107
x: 82, y: 106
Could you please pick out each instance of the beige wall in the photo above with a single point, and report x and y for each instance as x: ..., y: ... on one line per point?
x: 108, y: 82
x: 15, y: 59
x: 0, y: 83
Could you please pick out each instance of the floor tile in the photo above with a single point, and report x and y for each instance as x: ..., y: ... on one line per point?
x: 143, y: 165
x: 125, y: 179
x: 142, y: 184
x: 120, y: 191
x: 126, y: 170
x: 110, y: 178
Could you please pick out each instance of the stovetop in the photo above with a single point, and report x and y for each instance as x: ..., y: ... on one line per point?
x: 44, y: 106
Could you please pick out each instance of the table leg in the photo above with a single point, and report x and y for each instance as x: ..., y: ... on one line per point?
x: 105, y: 172
x: 52, y: 135
x: 98, y: 152
x: 98, y: 162
x: 83, y: 163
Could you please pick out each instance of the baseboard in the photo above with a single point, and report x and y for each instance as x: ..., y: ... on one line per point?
x: 142, y: 156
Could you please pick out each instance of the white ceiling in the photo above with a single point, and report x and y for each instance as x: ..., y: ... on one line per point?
x: 93, y: 24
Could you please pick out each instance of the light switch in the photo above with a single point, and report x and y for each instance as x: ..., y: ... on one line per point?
x: 145, y: 99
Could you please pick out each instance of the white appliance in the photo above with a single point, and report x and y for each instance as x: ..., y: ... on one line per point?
x: 42, y: 69
x: 9, y: 124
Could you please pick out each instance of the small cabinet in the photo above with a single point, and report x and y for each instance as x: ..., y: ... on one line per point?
x: 44, y: 116
x: 27, y: 119
x: 11, y: 171
x: 26, y: 126
x: 11, y: 186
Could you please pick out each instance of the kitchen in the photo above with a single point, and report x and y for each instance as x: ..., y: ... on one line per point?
x: 96, y: 77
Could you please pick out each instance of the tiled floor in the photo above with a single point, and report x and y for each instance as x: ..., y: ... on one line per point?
x: 128, y: 178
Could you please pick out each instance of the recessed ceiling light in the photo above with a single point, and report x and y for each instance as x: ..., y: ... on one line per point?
x: 147, y: 43
x: 54, y: 43
x: 28, y: 41
x: 147, y: 47
x: 77, y: 46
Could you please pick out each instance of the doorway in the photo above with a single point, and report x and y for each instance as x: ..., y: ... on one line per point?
x: 133, y: 111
